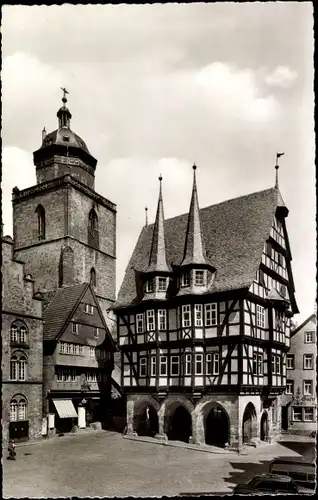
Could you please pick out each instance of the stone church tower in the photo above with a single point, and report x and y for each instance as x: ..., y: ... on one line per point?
x: 64, y: 231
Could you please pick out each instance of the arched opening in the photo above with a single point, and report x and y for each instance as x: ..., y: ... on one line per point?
x: 249, y: 425
x: 217, y: 427
x: 146, y: 421
x: 19, y: 424
x: 93, y: 277
x: 180, y: 425
x: 41, y: 222
x: 264, y: 427
x: 93, y: 235
x: 93, y: 220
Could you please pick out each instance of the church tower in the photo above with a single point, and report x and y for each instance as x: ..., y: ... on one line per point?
x: 63, y: 230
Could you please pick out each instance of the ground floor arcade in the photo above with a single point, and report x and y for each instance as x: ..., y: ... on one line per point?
x: 221, y: 419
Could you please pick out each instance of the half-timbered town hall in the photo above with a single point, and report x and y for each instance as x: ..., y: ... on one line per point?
x: 204, y: 315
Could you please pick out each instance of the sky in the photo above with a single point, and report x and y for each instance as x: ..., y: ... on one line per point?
x: 155, y: 88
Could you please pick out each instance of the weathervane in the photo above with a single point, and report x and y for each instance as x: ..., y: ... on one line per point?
x: 146, y: 213
x: 278, y: 155
x: 64, y: 94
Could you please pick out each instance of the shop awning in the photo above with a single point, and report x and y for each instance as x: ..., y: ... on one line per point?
x: 65, y: 408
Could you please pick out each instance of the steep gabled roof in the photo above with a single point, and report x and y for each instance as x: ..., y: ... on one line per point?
x: 59, y: 311
x: 194, y: 251
x: 157, y: 258
x: 234, y: 233
x: 311, y: 318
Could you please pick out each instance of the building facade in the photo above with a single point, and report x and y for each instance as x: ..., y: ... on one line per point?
x: 78, y: 358
x: 204, y: 316
x: 299, y: 410
x: 22, y: 350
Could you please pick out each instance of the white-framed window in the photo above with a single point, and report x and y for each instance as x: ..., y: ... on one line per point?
x: 186, y: 316
x: 18, y: 409
x: 68, y: 348
x: 188, y: 364
x: 143, y: 366
x: 297, y: 413
x: 308, y: 388
x: 62, y: 347
x: 14, y: 333
x: 150, y: 320
x: 74, y: 349
x: 92, y: 352
x: 163, y: 365
x: 260, y: 316
x: 75, y: 328
x: 73, y: 376
x: 80, y: 350
x: 18, y: 367
x: 309, y: 337
x: 149, y: 285
x: 290, y: 361
x: 162, y: 319
x: 199, y: 277
x: 199, y: 364
x: 22, y: 410
x: 198, y: 316
x: 13, y: 410
x: 308, y: 414
x: 89, y: 309
x: 22, y: 335
x: 153, y: 366
x: 257, y: 363
x: 216, y: 363
x: 210, y: 312
x: 162, y: 284
x: 278, y: 364
x: 91, y: 377
x: 139, y: 323
x: 208, y: 364
x: 174, y: 365
x: 289, y: 387
x: 185, y: 279
x: 308, y: 361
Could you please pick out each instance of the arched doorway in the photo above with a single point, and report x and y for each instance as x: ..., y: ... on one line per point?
x: 146, y: 421
x: 264, y: 427
x: 249, y: 425
x: 180, y: 425
x: 217, y: 427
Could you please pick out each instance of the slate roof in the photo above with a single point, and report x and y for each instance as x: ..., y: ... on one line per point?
x: 60, y: 309
x: 234, y: 233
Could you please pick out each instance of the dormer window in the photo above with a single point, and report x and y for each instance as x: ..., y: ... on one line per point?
x: 162, y: 284
x: 149, y: 286
x: 185, y: 279
x: 199, y: 278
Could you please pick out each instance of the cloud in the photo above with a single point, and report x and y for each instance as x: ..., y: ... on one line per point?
x: 282, y: 77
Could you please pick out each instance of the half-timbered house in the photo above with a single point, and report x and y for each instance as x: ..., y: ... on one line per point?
x: 203, y: 324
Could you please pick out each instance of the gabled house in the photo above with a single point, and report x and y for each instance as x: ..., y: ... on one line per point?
x: 299, y: 410
x: 78, y: 352
x: 204, y: 315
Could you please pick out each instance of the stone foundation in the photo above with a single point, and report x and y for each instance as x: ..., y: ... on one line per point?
x: 231, y: 407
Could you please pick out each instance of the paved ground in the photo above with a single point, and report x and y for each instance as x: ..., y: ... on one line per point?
x: 105, y: 464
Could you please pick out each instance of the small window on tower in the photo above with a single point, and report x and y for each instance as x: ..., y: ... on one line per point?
x: 66, y: 138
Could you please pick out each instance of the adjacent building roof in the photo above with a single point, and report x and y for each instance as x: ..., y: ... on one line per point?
x: 313, y: 318
x: 60, y: 309
x: 233, y: 232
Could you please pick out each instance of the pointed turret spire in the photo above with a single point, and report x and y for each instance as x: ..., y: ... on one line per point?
x: 63, y: 113
x: 157, y: 259
x: 194, y: 252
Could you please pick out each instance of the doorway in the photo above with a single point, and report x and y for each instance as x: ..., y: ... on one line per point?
x: 264, y: 427
x: 217, y: 427
x: 180, y: 428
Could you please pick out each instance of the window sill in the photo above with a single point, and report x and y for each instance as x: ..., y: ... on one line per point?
x: 22, y: 345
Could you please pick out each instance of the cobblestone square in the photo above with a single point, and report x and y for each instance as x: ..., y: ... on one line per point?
x: 104, y: 464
